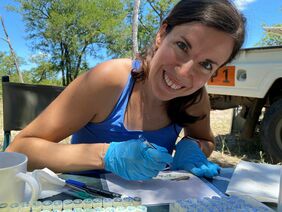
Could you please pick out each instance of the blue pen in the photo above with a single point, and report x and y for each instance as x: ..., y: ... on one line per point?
x: 92, y: 189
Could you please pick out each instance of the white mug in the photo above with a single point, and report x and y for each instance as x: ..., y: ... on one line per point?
x: 13, y: 178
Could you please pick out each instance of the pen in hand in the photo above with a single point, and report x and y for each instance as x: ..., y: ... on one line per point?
x: 145, y: 141
x: 149, y: 144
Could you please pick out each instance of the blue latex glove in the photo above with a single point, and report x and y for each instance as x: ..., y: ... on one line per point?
x: 189, y: 157
x: 134, y: 160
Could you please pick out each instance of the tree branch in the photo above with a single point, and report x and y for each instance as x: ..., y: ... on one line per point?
x: 153, y: 7
x: 143, y: 25
x: 12, y: 50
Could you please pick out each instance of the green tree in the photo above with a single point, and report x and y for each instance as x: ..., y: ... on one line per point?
x: 7, y: 65
x: 118, y: 43
x: 151, y: 14
x: 271, y: 38
x: 68, y: 30
x: 44, y: 72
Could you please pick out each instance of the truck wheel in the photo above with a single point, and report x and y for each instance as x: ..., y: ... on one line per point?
x: 271, y: 130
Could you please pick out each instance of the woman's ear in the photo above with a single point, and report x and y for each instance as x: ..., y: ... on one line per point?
x: 161, y: 35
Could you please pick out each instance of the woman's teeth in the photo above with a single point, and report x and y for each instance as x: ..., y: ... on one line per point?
x: 170, y: 83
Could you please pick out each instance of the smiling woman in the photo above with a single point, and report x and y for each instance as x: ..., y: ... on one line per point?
x: 192, y: 53
x: 113, y: 107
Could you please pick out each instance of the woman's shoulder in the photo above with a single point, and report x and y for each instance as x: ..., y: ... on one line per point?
x: 104, y: 81
x: 114, y: 72
x: 102, y: 85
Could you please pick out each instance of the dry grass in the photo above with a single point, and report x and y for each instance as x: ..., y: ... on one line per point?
x: 230, y: 149
x: 221, y: 121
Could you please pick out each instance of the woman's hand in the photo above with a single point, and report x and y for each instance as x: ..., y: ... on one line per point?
x: 134, y: 160
x: 189, y: 157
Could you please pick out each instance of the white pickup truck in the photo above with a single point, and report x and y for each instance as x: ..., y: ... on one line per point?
x: 253, y: 83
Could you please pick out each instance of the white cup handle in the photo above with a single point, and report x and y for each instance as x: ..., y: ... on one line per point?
x: 33, y: 184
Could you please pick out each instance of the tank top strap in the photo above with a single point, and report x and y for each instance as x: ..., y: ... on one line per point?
x: 122, y: 102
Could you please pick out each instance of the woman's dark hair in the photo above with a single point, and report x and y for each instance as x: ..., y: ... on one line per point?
x: 219, y: 14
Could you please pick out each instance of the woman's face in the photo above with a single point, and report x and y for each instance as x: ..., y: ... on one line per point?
x: 186, y: 58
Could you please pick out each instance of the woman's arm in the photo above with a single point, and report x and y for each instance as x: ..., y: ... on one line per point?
x: 201, y: 130
x: 91, y: 97
x: 192, y: 156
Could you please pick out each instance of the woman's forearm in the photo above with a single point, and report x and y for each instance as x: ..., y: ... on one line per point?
x: 59, y: 157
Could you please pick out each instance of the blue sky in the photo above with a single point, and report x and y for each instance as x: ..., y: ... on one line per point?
x: 257, y: 12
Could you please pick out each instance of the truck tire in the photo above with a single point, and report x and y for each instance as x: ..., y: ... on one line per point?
x: 271, y: 131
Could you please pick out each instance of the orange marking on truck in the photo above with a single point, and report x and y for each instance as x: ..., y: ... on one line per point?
x: 225, y: 76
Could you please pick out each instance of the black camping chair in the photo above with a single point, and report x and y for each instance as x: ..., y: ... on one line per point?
x: 22, y: 103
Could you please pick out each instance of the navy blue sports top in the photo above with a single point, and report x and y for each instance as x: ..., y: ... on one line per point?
x: 112, y: 128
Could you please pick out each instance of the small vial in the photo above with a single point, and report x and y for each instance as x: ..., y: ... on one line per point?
x: 120, y: 209
x: 87, y: 203
x: 36, y: 206
x: 127, y: 201
x: 97, y: 203
x: 117, y: 202
x: 130, y: 208
x: 14, y: 207
x: 67, y: 204
x: 89, y: 210
x: 141, y: 208
x: 263, y: 209
x: 187, y: 205
x: 216, y: 198
x: 25, y: 207
x: 77, y: 203
x: 57, y: 205
x: 107, y: 202
x: 99, y: 209
x: 110, y: 209
x: 203, y: 202
x: 47, y: 205
x: 4, y: 207
x: 78, y: 210
x: 136, y: 201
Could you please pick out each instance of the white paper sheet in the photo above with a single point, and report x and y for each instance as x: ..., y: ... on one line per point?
x: 158, y: 191
x: 260, y: 181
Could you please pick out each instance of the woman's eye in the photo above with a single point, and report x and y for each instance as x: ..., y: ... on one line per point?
x: 182, y: 46
x: 207, y: 66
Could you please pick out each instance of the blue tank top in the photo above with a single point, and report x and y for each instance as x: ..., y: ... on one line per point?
x: 112, y: 129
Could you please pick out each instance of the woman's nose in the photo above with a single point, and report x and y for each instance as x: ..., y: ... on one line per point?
x: 185, y: 69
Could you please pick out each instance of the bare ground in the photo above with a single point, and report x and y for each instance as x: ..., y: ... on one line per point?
x: 221, y: 125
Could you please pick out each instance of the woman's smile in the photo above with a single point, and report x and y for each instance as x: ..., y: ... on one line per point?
x: 170, y: 82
